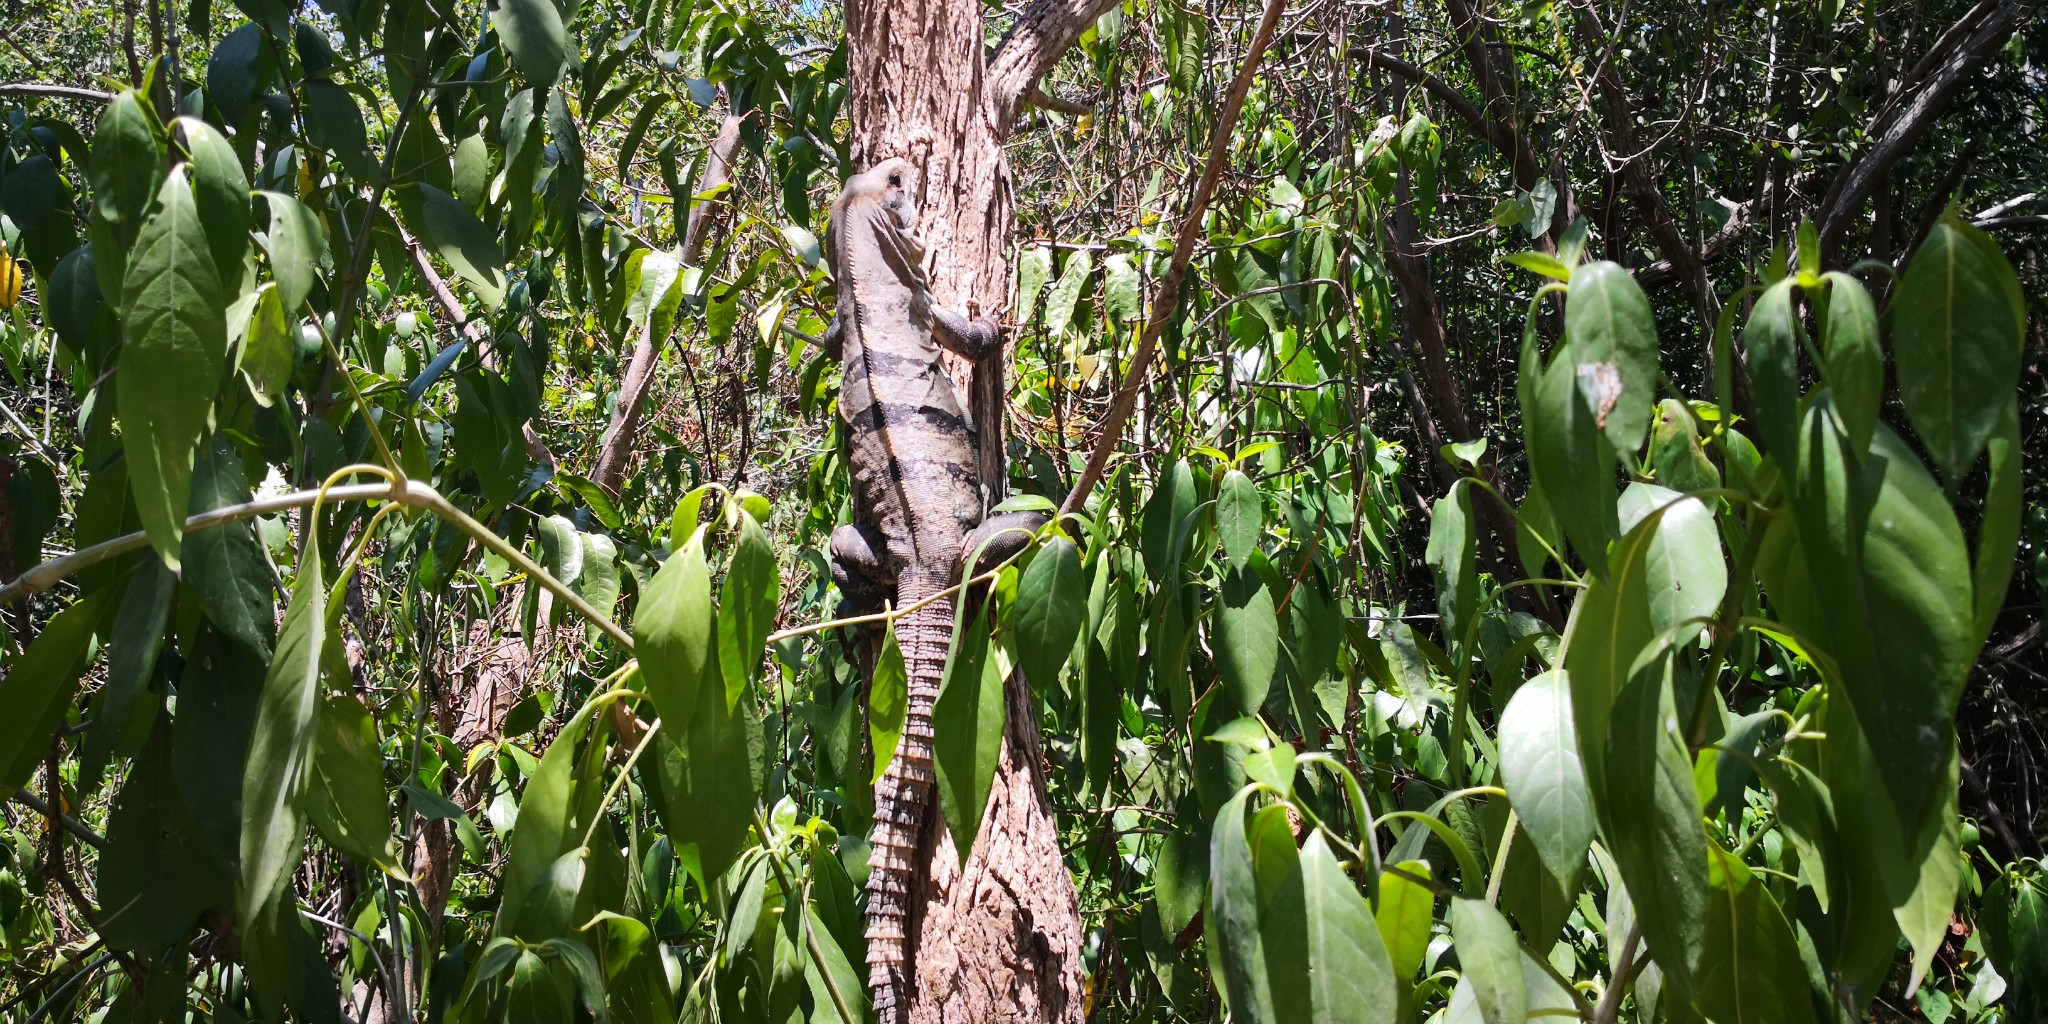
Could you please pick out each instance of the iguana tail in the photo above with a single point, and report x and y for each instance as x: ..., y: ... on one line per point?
x: 904, y: 795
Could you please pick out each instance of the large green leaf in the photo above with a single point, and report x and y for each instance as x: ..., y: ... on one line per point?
x: 1051, y: 604
x: 345, y: 798
x: 1771, y: 341
x: 1240, y: 516
x: 281, y: 749
x: 747, y: 601
x: 967, y: 731
x: 710, y: 776
x: 1172, y: 500
x: 298, y: 251
x: 1404, y: 914
x: 1247, y: 639
x: 672, y: 634
x: 1682, y: 566
x: 1611, y: 347
x: 137, y: 636
x: 1854, y: 366
x: 1232, y: 921
x: 1569, y: 458
x: 225, y: 566
x: 888, y: 704
x: 1350, y: 977
x: 221, y: 192
x: 1653, y: 823
x: 157, y: 874
x: 547, y: 833
x: 534, y: 35
x: 1492, y: 960
x: 39, y: 684
x: 469, y: 247
x: 1884, y: 548
x: 127, y: 160
x: 1610, y: 625
x: 174, y: 349
x: 1750, y: 970
x: 1539, y: 762
x: 1957, y: 336
x: 1453, y: 557
x: 1998, y: 533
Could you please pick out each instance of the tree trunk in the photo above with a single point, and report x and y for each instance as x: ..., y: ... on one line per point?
x: 1000, y: 938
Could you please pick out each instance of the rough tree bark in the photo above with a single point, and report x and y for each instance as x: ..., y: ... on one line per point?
x: 1000, y: 938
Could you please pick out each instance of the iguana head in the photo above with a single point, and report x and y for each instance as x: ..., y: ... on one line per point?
x: 892, y: 185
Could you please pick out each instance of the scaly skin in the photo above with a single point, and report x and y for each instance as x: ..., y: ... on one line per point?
x: 916, y: 494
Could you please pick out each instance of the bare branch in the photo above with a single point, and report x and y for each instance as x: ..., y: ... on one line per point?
x: 60, y: 92
x: 1045, y: 30
x: 1936, y: 80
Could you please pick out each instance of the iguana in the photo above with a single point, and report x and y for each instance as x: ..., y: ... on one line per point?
x: 917, y: 498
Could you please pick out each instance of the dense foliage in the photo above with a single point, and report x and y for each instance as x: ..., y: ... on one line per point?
x: 1556, y: 556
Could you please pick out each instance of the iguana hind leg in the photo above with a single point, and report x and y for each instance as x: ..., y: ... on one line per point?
x: 862, y: 569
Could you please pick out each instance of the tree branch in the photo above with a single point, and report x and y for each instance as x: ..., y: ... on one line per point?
x: 1166, y: 297
x: 1045, y: 30
x: 60, y: 92
x: 638, y: 378
x: 1939, y: 76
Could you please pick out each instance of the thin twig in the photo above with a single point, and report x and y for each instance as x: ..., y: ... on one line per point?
x: 1167, y: 296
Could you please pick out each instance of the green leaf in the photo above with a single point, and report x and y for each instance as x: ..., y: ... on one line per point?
x: 156, y: 866
x: 137, y: 636
x: 710, y: 777
x: 599, y: 584
x: 1897, y: 618
x: 298, y: 250
x: 1034, y: 266
x: 221, y: 191
x: 967, y: 731
x: 1855, y: 364
x: 127, y: 161
x: 1683, y: 567
x: 1569, y: 458
x: 1453, y: 557
x: 534, y: 36
x: 1771, y: 338
x: 346, y: 800
x: 1232, y: 921
x: 231, y: 72
x: 1492, y: 960
x: 1541, y: 263
x: 1066, y: 293
x: 268, y: 349
x: 1120, y: 297
x: 546, y: 835
x: 1051, y: 604
x: 225, y: 566
x: 1247, y: 639
x: 1240, y: 516
x: 1610, y: 626
x: 1171, y: 502
x: 1957, y: 336
x: 1539, y: 761
x: 281, y: 748
x: 1653, y: 825
x: 1675, y: 453
x: 672, y: 634
x: 1405, y: 913
x: 1998, y: 535
x: 1350, y: 977
x: 1611, y: 343
x: 533, y: 997
x: 888, y: 702
x: 455, y: 233
x: 174, y: 350
x: 39, y: 684
x: 747, y: 601
x: 1750, y: 971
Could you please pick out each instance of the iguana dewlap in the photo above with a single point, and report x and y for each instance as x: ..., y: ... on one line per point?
x: 916, y: 499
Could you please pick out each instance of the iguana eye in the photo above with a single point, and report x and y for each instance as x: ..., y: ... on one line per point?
x: 895, y: 181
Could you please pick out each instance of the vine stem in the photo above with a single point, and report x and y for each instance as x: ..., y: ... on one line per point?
x: 410, y: 493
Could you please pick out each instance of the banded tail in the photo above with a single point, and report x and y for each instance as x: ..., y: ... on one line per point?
x: 904, y: 795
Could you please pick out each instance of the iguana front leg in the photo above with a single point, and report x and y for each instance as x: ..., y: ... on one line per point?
x: 969, y: 339
x: 862, y: 569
